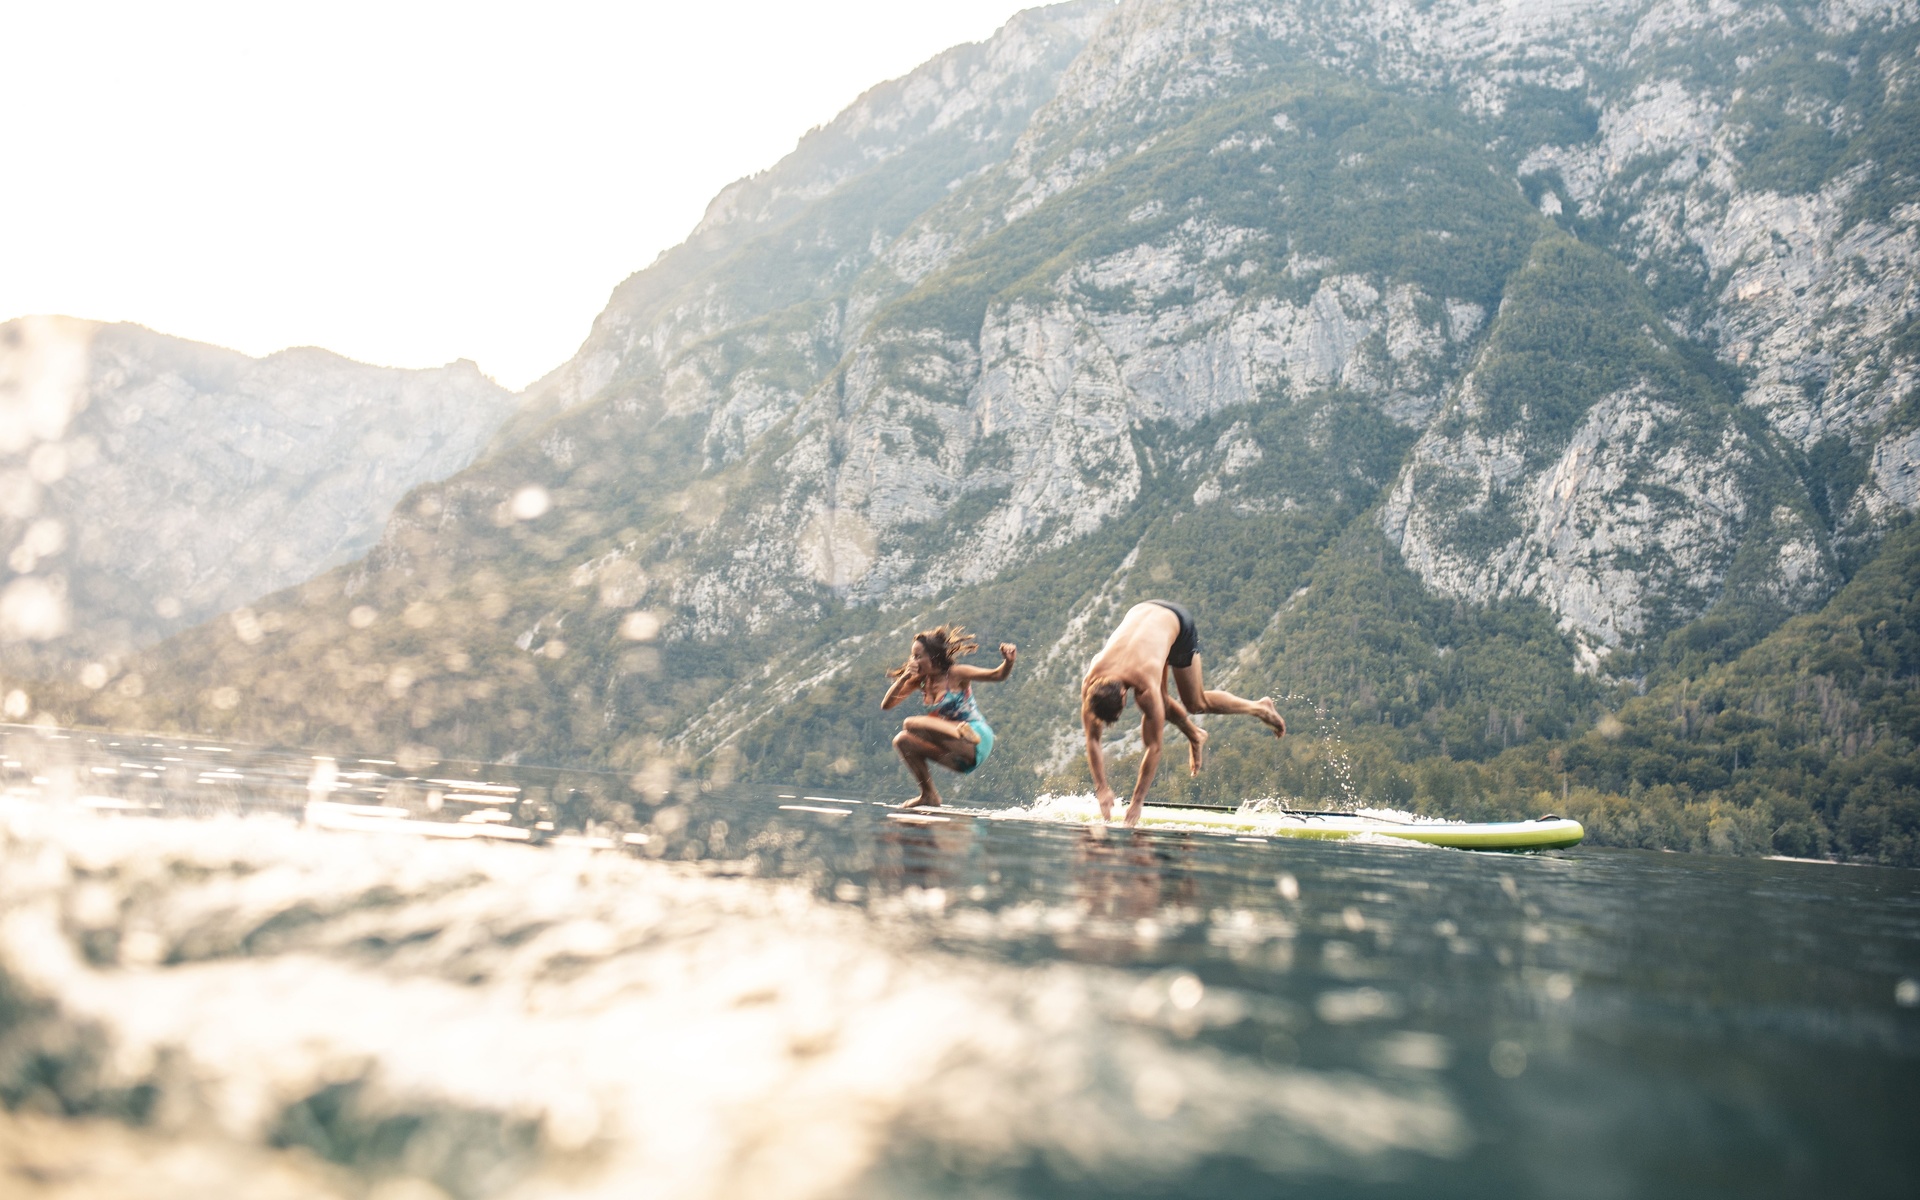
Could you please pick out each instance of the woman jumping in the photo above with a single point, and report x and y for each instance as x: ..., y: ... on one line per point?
x: 952, y: 733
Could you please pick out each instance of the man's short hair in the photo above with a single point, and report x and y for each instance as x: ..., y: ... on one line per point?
x: 1105, y: 699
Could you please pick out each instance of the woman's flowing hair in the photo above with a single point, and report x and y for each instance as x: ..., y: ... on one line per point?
x: 943, y: 645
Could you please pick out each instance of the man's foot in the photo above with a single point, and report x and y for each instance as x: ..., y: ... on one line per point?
x: 1196, y: 746
x: 1271, y: 715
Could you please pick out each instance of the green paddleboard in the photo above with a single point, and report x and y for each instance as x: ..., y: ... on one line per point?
x: 1546, y: 833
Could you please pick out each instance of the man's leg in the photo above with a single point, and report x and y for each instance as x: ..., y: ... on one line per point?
x: 1194, y: 694
x: 1182, y: 720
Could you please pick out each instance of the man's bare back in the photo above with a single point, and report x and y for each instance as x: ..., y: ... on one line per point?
x: 1136, y: 651
x: 1155, y: 641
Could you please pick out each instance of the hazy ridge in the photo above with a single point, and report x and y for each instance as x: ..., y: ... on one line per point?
x: 148, y: 482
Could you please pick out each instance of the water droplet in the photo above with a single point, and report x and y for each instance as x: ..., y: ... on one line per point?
x: 1185, y: 992
x: 33, y: 609
x: 1414, y: 1051
x: 531, y: 502
x: 1358, y: 1004
x: 1508, y: 1059
x: 1158, y: 1093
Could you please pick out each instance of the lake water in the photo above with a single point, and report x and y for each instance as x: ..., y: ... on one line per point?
x: 233, y: 972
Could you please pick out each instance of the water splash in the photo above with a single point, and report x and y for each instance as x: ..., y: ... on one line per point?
x: 1335, y: 763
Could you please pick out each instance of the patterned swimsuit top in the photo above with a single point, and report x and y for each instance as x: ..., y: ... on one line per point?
x: 954, y: 706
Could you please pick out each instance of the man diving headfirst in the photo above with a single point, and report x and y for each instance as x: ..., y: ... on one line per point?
x: 1155, y: 639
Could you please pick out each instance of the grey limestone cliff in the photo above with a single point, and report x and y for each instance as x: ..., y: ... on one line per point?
x: 791, y: 239
x: 1798, y: 293
x: 967, y: 299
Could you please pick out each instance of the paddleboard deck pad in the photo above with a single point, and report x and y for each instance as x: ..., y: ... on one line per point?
x: 1545, y: 833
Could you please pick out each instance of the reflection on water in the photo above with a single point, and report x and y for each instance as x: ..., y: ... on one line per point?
x: 233, y: 972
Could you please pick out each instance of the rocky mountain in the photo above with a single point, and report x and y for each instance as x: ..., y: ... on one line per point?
x: 1472, y: 369
x: 775, y: 253
x: 148, y: 483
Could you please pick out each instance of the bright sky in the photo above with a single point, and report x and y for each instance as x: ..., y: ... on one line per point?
x: 404, y: 183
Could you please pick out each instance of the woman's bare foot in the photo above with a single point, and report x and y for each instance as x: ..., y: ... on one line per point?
x: 926, y: 799
x: 1271, y: 716
x: 1196, y: 745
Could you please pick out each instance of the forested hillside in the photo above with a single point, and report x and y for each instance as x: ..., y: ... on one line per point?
x: 1528, y: 396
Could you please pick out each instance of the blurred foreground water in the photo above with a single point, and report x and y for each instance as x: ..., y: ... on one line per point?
x: 239, y: 973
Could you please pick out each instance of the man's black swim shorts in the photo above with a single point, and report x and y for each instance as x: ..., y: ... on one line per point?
x: 1187, y: 644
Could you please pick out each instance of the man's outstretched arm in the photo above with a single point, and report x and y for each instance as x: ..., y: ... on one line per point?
x: 1153, y: 730
x: 1097, y: 764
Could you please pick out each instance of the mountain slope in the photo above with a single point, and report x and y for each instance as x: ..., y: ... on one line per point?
x: 792, y: 238
x: 1590, y: 461
x: 1435, y: 355
x: 1808, y: 743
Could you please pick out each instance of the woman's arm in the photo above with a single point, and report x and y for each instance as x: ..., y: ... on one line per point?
x: 900, y: 689
x: 962, y: 673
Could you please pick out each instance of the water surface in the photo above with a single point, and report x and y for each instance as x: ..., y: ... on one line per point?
x: 278, y: 974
